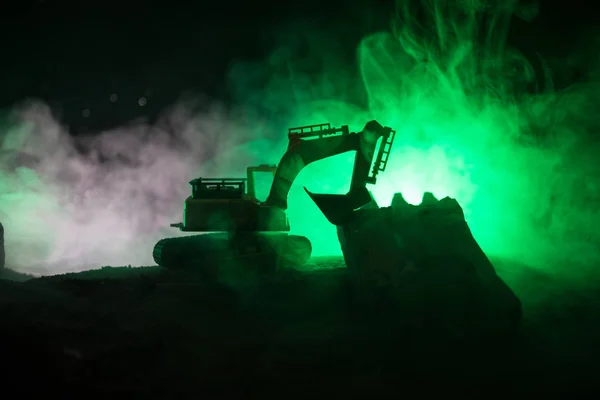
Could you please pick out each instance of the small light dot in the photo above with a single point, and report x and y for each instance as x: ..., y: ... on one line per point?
x: 114, y: 97
x: 86, y: 113
x: 142, y: 101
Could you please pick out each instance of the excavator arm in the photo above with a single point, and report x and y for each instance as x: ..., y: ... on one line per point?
x: 316, y: 142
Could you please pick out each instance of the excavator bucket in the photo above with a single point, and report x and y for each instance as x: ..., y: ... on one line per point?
x: 339, y: 208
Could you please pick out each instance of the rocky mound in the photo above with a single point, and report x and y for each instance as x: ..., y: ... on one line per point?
x: 424, y: 260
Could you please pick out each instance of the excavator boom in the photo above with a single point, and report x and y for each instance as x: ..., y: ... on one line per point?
x: 316, y: 142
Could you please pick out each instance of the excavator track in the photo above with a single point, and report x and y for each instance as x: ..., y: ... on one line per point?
x: 207, y: 253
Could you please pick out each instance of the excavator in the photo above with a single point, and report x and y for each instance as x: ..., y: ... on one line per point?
x: 234, y: 226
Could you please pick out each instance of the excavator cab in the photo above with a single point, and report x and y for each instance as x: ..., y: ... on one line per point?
x: 230, y: 205
x: 230, y: 188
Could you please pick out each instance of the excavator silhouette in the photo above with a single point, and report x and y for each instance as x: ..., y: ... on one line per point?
x: 243, y: 229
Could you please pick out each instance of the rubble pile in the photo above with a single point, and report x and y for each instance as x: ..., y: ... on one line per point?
x: 425, y: 260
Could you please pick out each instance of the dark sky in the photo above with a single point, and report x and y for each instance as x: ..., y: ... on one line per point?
x: 74, y: 56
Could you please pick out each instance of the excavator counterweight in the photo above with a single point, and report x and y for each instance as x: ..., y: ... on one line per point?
x: 239, y: 228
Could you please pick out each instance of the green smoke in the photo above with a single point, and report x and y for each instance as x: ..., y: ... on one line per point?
x: 467, y: 127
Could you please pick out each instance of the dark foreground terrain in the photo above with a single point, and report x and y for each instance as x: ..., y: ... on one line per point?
x: 165, y: 334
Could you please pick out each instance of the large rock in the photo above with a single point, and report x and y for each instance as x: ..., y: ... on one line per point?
x: 424, y: 260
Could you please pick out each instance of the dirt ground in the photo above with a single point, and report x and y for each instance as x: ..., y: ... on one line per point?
x: 164, y: 334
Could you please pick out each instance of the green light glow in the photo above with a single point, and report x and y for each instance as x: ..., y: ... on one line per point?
x: 461, y: 131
